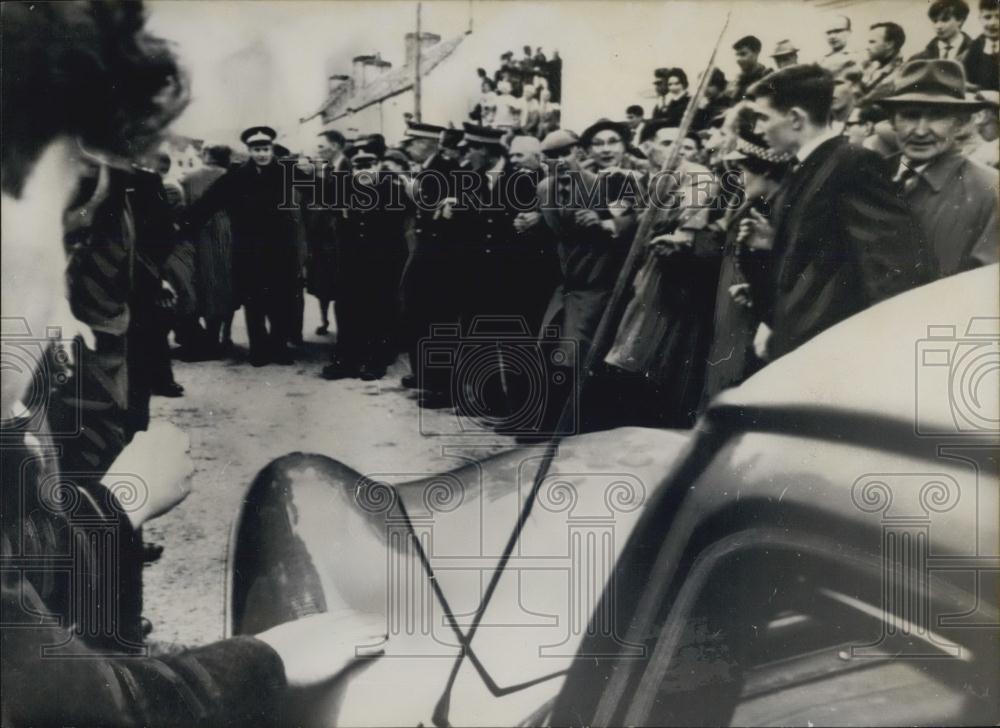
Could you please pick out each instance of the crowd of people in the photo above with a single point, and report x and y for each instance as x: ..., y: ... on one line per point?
x: 776, y: 204
x: 522, y: 94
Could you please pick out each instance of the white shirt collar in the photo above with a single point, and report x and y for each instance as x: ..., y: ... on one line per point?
x: 809, y: 147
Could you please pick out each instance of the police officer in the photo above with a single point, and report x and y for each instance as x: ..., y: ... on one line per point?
x: 427, y: 287
x: 371, y: 250
x: 258, y: 198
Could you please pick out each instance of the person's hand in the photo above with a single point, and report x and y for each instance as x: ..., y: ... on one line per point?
x: 526, y: 220
x: 586, y: 218
x: 167, y: 296
x: 158, y: 460
x: 666, y: 245
x: 318, y: 647
x: 444, y: 210
x: 755, y: 232
x: 740, y: 293
x: 760, y: 342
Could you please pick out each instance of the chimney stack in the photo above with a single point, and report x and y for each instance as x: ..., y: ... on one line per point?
x: 426, y: 41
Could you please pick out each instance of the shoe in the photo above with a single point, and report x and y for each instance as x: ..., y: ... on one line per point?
x: 147, y: 626
x: 171, y: 389
x: 409, y: 381
x: 259, y: 361
x: 151, y: 552
x: 322, y: 330
x: 371, y: 373
x: 283, y: 357
x: 336, y: 371
x: 434, y: 400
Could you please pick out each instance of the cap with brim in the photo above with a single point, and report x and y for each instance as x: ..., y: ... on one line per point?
x: 932, y: 82
x: 363, y: 155
x: 559, y: 140
x: 257, y: 135
x: 333, y: 135
x: 397, y: 156
x: 749, y: 149
x: 603, y: 125
x: 418, y: 130
x: 784, y: 48
x: 450, y: 138
x: 484, y: 135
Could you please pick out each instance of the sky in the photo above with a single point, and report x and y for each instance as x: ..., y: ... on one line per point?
x: 266, y: 62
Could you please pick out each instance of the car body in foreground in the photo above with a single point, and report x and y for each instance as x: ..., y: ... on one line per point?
x: 821, y: 549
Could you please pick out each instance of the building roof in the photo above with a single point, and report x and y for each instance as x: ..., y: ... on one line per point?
x: 348, y: 99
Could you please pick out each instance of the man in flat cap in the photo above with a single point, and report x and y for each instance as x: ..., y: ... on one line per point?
x: 785, y: 54
x: 747, y: 51
x: 954, y: 199
x: 257, y: 197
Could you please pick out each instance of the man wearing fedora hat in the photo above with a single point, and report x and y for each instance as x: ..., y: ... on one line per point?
x: 954, y: 199
x: 265, y: 252
x: 785, y: 54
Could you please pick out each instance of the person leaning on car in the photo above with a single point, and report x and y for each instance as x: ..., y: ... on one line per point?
x: 110, y: 87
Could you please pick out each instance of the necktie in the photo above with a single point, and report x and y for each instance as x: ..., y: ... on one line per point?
x: 947, y: 50
x: 994, y: 47
x: 907, y: 179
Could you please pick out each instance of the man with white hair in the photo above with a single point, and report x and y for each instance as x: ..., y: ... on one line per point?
x: 525, y: 153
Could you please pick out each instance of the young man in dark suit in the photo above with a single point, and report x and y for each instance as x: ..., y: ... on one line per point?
x: 950, y: 42
x: 982, y: 60
x: 841, y: 238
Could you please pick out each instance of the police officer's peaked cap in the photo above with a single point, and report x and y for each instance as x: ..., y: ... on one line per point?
x: 258, y: 135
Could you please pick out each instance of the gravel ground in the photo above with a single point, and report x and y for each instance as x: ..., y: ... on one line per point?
x: 239, y: 418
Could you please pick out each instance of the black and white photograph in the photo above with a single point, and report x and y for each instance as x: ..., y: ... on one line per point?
x: 500, y: 363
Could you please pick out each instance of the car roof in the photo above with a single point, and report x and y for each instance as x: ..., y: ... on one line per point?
x: 874, y: 362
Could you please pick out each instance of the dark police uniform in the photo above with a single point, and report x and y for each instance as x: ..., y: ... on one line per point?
x: 265, y: 250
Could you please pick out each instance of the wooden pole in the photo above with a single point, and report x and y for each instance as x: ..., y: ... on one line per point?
x: 416, y: 70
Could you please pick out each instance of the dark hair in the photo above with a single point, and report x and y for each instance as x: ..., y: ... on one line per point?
x: 332, y: 135
x: 717, y: 79
x: 679, y: 74
x: 86, y: 70
x: 807, y: 86
x: 870, y: 113
x: 635, y: 110
x: 695, y: 138
x: 750, y: 42
x: 988, y: 5
x: 219, y: 155
x: 940, y: 9
x: 892, y: 33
